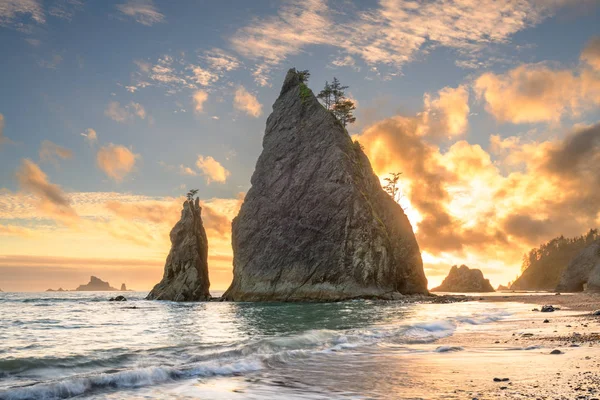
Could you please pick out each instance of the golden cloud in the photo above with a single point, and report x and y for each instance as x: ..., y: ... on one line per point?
x: 116, y: 161
x: 212, y: 170
x: 51, y: 152
x: 447, y: 115
x: 534, y: 93
x: 247, y: 102
x: 591, y: 53
x: 199, y: 98
x: 50, y: 197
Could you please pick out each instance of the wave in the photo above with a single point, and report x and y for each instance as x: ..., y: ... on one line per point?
x: 227, y: 360
x: 448, y: 349
x: 124, y: 379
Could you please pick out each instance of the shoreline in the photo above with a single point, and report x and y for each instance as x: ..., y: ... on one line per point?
x: 571, y: 301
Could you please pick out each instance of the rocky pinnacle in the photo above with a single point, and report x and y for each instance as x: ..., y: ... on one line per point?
x: 186, y: 269
x: 316, y: 224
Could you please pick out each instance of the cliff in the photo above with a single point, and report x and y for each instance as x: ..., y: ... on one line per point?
x: 464, y: 280
x: 186, y: 269
x: 316, y: 224
x: 95, y: 285
x: 583, y: 272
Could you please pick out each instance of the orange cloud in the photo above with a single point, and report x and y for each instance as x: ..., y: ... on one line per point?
x: 212, y: 170
x: 116, y: 161
x: 534, y: 93
x: 51, y: 199
x: 447, y: 115
x: 51, y: 152
x: 247, y: 102
x: 591, y: 53
x: 199, y: 98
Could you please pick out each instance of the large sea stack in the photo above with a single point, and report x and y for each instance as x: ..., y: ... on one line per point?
x: 186, y: 269
x: 583, y: 272
x: 464, y: 280
x: 95, y: 285
x: 316, y: 224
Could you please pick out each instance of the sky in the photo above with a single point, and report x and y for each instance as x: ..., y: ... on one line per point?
x: 111, y: 111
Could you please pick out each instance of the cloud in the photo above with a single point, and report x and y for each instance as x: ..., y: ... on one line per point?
x: 199, y: 98
x: 65, y: 9
x: 212, y: 170
x: 51, y: 63
x: 142, y: 11
x: 532, y: 93
x: 247, y: 102
x: 51, y: 152
x: 13, y: 230
x: 183, y: 170
x: 116, y: 161
x: 123, y: 114
x: 50, y: 197
x: 591, y: 53
x: 447, y: 115
x: 392, y: 33
x: 11, y: 10
x: 3, y: 139
x: 90, y: 135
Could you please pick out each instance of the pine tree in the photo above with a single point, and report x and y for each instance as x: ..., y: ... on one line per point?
x: 337, y: 90
x: 326, y: 95
x: 392, y: 187
x: 343, y: 109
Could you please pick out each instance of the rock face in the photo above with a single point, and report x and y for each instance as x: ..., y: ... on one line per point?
x: 583, y: 272
x: 186, y: 268
x: 123, y: 287
x: 316, y: 224
x: 95, y: 285
x: 464, y: 279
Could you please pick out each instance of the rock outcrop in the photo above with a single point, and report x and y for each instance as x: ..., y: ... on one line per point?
x: 502, y: 287
x: 186, y: 269
x: 464, y: 280
x: 58, y: 290
x: 316, y: 224
x: 95, y: 285
x: 123, y: 287
x: 583, y: 272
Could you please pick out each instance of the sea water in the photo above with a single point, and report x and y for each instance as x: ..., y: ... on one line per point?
x: 78, y: 344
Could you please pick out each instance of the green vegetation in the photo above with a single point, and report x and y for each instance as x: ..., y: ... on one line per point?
x: 542, y: 266
x: 305, y: 93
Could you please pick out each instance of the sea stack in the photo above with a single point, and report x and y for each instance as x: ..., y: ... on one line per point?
x: 186, y: 269
x: 464, y: 279
x: 583, y: 272
x: 316, y: 224
x: 95, y: 285
x: 123, y: 287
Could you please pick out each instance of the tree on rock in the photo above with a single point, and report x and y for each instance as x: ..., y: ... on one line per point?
x: 334, y: 99
x: 343, y: 110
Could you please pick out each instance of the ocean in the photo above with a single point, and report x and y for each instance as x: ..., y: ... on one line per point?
x: 79, y: 345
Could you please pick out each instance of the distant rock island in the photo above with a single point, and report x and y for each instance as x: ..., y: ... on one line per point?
x: 583, y: 272
x: 186, y: 269
x: 316, y: 224
x: 96, y: 285
x: 123, y: 287
x: 501, y: 287
x: 464, y: 280
x: 58, y: 290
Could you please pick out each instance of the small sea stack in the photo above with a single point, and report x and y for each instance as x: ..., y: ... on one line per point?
x: 464, y: 280
x: 186, y: 269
